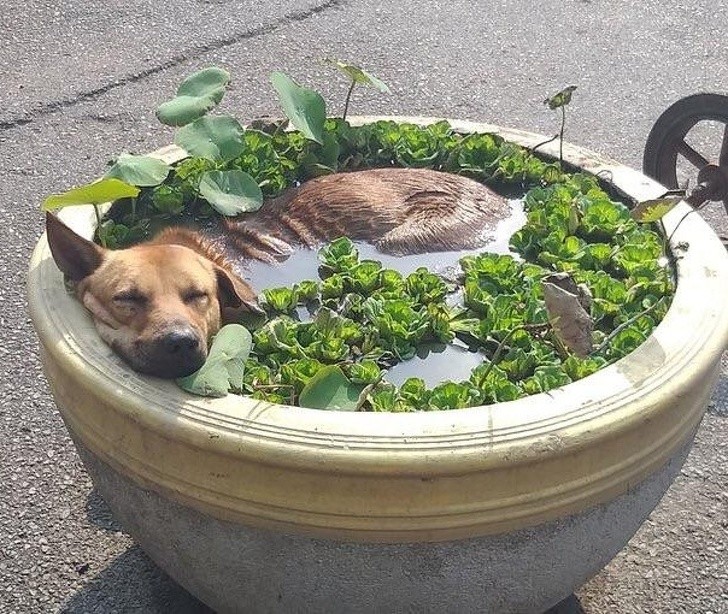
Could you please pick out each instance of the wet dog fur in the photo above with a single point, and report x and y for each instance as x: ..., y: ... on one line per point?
x: 159, y: 303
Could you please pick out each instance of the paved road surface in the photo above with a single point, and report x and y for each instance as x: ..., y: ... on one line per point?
x: 79, y: 82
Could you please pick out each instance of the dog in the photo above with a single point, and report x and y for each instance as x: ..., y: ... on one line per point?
x: 159, y: 303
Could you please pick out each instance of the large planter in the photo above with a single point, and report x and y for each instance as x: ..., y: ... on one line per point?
x: 504, y: 508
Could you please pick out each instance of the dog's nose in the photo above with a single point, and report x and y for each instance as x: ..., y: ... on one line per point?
x: 176, y: 353
x: 180, y: 342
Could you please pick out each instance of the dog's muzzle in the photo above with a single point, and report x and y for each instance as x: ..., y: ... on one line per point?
x: 175, y: 353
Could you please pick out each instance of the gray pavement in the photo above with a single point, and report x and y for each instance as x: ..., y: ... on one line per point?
x: 79, y: 83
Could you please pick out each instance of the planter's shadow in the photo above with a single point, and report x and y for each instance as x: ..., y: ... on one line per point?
x: 570, y: 605
x: 133, y: 583
x: 99, y: 514
x: 719, y: 402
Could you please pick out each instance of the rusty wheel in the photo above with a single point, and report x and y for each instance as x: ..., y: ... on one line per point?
x: 667, y: 145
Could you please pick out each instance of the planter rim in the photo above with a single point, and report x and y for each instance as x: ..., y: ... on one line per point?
x: 573, y: 447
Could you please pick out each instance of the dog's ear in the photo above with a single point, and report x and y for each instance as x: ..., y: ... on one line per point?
x: 234, y: 293
x: 75, y: 256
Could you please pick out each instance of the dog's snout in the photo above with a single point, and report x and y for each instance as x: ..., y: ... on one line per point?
x: 180, y: 341
x: 175, y: 353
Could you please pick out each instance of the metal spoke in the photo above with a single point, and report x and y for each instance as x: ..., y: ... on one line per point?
x: 723, y: 157
x: 692, y: 156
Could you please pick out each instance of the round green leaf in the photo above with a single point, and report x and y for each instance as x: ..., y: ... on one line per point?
x: 330, y: 389
x: 231, y: 192
x: 304, y: 107
x: 142, y: 171
x: 96, y: 193
x: 216, y: 138
x: 196, y: 95
x: 358, y: 74
x: 225, y: 365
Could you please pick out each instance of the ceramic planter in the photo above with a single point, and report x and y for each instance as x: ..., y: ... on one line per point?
x: 504, y: 508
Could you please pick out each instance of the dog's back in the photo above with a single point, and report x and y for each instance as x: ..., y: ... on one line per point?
x: 400, y: 211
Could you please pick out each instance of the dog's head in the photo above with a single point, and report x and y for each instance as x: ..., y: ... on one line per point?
x: 156, y: 305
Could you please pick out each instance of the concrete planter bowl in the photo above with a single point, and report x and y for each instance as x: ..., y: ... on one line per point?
x: 505, y: 508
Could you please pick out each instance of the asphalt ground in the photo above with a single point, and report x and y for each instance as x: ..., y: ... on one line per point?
x: 79, y: 82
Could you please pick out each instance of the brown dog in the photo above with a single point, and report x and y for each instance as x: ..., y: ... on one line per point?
x: 157, y: 304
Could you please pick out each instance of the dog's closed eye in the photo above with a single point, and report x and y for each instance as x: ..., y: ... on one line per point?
x: 195, y: 295
x: 130, y: 297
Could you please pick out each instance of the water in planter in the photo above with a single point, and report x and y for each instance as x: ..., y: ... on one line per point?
x: 303, y: 263
x: 434, y: 362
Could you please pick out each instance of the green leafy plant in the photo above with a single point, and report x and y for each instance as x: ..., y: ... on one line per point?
x: 141, y: 171
x: 225, y: 365
x: 219, y: 139
x: 357, y: 75
x: 231, y: 192
x: 196, y: 95
x: 95, y: 193
x: 331, y: 389
x: 361, y: 319
x: 560, y: 100
x: 305, y: 108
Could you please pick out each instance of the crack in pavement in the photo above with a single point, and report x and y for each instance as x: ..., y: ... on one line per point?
x: 194, y: 52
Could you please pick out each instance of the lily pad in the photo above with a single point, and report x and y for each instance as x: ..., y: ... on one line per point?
x: 216, y: 138
x: 95, y: 193
x: 358, y: 74
x: 196, y: 95
x: 304, y: 107
x: 225, y: 365
x: 231, y: 192
x: 330, y: 389
x: 142, y: 171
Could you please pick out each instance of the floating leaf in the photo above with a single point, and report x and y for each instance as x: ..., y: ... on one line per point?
x: 143, y: 171
x: 196, y: 95
x: 358, y: 74
x: 330, y: 389
x: 560, y: 99
x: 281, y: 300
x: 216, y: 138
x: 96, y: 193
x: 304, y: 107
x: 567, y: 315
x: 231, y: 192
x: 653, y: 210
x: 225, y: 365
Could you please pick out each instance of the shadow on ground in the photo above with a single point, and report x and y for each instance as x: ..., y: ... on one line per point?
x: 131, y: 583
x: 99, y: 514
x: 570, y: 605
x: 718, y: 405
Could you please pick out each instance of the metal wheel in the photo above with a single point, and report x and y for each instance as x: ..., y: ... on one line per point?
x: 667, y: 143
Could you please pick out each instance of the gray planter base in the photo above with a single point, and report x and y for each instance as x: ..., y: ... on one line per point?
x: 234, y: 568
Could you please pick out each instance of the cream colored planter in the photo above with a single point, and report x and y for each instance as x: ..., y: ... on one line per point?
x: 276, y: 508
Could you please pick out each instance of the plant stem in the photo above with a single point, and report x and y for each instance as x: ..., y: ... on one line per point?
x: 506, y: 339
x: 280, y: 127
x: 561, y: 137
x: 348, y: 98
x: 624, y: 325
x: 291, y: 389
x: 542, y: 143
x: 98, y: 226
